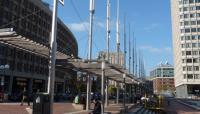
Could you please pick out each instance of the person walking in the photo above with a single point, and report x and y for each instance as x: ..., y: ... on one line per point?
x: 97, y: 107
x: 25, y: 97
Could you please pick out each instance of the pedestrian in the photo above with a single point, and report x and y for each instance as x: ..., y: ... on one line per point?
x: 97, y: 107
x: 168, y: 101
x: 25, y: 97
x: 76, y: 100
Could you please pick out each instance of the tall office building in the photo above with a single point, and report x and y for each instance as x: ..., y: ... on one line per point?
x: 186, y: 44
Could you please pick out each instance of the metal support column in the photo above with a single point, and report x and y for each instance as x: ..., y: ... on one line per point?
x: 102, y: 88
x: 107, y: 95
x: 90, y: 54
x: 52, y: 62
x: 117, y: 94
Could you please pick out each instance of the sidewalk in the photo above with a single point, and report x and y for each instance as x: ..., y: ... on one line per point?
x: 111, y: 109
x: 15, y: 108
x: 59, y: 108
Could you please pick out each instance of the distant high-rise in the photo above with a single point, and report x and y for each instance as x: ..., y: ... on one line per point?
x: 186, y: 44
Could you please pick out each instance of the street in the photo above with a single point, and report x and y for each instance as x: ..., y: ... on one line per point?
x: 178, y: 108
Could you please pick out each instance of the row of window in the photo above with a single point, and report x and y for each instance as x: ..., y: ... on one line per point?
x: 184, y: 53
x: 189, y: 30
x: 188, y: 1
x: 190, y: 37
x: 186, y: 23
x: 190, y: 68
x: 191, y: 8
x: 191, y: 76
x: 190, y: 45
x: 194, y: 60
x: 193, y: 15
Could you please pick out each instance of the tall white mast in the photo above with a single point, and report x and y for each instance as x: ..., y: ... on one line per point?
x: 90, y: 52
x: 129, y: 48
x: 108, y: 30
x: 118, y: 33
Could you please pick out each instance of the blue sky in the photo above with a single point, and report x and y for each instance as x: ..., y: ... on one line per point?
x: 150, y: 21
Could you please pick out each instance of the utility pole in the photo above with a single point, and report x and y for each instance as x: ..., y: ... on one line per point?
x: 90, y: 53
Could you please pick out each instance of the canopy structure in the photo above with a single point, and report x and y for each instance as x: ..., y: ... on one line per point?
x: 112, y: 71
x: 10, y: 37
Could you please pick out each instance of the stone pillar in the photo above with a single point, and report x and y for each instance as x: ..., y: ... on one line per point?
x: 10, y: 85
x: 30, y: 86
x: 107, y: 95
x: 64, y: 85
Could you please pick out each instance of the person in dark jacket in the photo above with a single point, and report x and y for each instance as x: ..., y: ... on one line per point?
x: 97, y: 107
x: 25, y: 97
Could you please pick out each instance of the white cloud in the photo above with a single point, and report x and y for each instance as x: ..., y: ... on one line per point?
x: 151, y: 49
x: 79, y: 27
x: 168, y: 49
x: 152, y: 27
x: 84, y: 26
x: 155, y: 49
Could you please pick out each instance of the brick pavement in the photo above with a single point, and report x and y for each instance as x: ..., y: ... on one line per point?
x: 15, y: 108
x: 59, y: 108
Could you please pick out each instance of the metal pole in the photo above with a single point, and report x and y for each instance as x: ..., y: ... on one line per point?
x: 125, y: 42
x: 102, y: 87
x: 108, y: 29
x: 118, y: 34
x: 133, y: 55
x: 90, y: 54
x: 106, y: 95
x: 129, y: 48
x: 117, y: 96
x: 53, y: 48
x: 124, y: 103
x: 108, y: 44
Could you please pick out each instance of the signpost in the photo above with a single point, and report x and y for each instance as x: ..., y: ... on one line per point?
x: 53, y: 49
x: 62, y: 2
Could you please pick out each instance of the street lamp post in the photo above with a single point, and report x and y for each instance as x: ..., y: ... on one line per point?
x: 124, y: 77
x: 102, y: 86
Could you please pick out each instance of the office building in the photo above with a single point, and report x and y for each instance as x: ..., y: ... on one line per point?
x: 163, y: 79
x: 30, y: 23
x: 185, y: 27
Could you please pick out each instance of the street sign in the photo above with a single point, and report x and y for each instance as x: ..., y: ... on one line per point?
x: 61, y: 1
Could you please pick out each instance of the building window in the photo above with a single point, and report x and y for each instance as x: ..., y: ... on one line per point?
x: 196, y: 68
x: 189, y: 60
x: 190, y: 76
x: 189, y: 68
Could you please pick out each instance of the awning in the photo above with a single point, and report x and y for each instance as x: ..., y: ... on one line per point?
x: 10, y: 37
x: 112, y: 71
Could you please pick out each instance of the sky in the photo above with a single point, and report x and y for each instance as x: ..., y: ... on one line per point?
x: 150, y: 21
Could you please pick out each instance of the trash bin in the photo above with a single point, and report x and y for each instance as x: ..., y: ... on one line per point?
x: 41, y: 103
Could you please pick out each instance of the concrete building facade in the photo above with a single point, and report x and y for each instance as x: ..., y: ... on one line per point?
x: 31, y: 19
x: 185, y: 27
x: 163, y: 79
